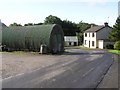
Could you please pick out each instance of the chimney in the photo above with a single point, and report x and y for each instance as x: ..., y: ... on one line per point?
x: 106, y: 24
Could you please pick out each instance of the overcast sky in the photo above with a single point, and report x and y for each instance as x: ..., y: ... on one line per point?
x: 35, y: 11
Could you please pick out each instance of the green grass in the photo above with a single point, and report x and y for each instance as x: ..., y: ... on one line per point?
x: 115, y: 51
x: 18, y: 52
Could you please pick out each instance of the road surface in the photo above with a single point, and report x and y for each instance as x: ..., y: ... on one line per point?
x: 78, y: 69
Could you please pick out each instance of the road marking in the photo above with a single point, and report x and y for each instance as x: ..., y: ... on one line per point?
x: 13, y: 76
x: 93, y: 57
x: 25, y: 73
x: 88, y: 72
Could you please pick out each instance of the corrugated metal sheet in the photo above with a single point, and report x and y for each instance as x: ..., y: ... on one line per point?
x: 31, y: 37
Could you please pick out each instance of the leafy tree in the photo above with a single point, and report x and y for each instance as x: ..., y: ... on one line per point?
x: 115, y: 34
x: 29, y: 24
x: 117, y: 45
x: 52, y: 20
x: 15, y: 24
x: 69, y: 28
x: 82, y: 26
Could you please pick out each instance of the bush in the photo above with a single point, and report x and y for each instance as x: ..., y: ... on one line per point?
x: 117, y: 45
x: 109, y: 46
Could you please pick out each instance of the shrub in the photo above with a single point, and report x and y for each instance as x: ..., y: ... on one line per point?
x: 109, y: 46
x: 117, y: 45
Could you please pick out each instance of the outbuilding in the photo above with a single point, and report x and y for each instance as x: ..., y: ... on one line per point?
x: 71, y: 40
x: 33, y: 37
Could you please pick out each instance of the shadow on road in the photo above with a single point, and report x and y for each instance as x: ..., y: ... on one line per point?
x: 82, y: 53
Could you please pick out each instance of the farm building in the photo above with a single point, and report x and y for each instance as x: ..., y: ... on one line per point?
x: 97, y: 36
x: 71, y: 40
x: 33, y: 37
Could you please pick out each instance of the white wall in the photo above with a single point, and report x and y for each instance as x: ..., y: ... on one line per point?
x: 100, y: 44
x: 70, y: 39
x: 90, y: 38
x: 102, y: 34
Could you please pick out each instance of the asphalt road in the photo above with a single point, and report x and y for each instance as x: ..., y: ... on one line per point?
x: 80, y: 69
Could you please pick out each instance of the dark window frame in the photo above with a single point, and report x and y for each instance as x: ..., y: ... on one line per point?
x: 85, y: 34
x: 93, y: 43
x: 93, y: 34
x: 85, y: 42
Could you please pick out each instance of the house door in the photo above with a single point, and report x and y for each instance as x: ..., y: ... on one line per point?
x: 89, y: 44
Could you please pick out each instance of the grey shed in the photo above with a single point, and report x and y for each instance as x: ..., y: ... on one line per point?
x: 32, y: 37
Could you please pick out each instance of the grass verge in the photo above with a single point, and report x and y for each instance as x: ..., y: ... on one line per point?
x: 115, y: 51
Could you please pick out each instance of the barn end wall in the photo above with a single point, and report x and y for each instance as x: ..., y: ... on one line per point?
x: 57, y: 40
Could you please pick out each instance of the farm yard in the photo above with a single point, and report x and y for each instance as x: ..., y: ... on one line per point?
x: 82, y: 52
x: 75, y: 68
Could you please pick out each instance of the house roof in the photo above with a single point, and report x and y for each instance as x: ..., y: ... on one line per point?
x: 3, y: 25
x: 95, y: 28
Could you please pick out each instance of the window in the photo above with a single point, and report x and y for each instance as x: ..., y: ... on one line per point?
x: 92, y: 43
x: 85, y: 34
x: 85, y: 42
x: 70, y: 43
x: 75, y: 43
x: 93, y: 34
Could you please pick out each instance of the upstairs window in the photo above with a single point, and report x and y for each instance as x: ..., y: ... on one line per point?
x: 85, y: 34
x: 93, y: 35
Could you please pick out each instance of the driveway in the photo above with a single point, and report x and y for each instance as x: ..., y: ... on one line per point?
x: 74, y: 69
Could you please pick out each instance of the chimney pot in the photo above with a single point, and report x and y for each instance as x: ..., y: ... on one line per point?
x: 106, y: 24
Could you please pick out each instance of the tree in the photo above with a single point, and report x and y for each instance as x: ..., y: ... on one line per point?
x: 82, y: 26
x: 69, y: 28
x: 15, y: 24
x: 115, y: 34
x: 117, y: 45
x: 52, y: 20
x: 29, y: 24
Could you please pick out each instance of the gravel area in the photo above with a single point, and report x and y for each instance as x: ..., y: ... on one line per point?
x: 21, y: 62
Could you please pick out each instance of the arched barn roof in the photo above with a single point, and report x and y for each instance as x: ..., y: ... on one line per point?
x: 31, y: 37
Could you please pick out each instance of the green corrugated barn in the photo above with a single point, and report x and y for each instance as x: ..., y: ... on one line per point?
x: 32, y: 37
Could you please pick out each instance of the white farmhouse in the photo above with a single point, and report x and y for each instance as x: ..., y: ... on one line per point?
x: 71, y: 40
x: 97, y: 36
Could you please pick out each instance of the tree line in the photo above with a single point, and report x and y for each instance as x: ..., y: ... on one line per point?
x: 69, y: 28
x: 77, y: 29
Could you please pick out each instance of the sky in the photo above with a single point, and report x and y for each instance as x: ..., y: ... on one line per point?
x: 35, y: 11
